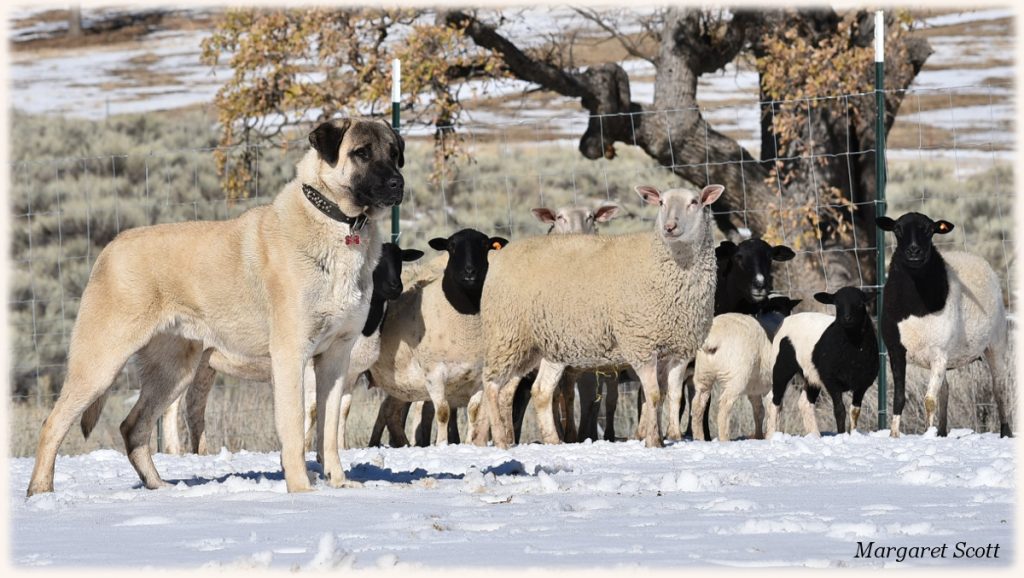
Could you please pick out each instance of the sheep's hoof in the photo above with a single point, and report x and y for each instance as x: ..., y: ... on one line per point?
x: 1004, y: 431
x: 894, y: 433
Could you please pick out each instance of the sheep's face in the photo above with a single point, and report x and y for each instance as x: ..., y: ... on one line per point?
x: 850, y: 303
x: 681, y: 211
x: 914, y: 237
x: 387, y: 275
x: 467, y: 256
x: 747, y: 267
x: 575, y: 219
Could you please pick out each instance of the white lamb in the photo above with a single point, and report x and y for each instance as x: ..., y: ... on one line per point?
x: 540, y: 306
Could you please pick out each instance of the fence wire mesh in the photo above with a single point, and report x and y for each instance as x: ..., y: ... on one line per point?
x: 950, y: 155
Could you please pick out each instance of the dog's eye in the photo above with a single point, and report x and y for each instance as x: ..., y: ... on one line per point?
x: 363, y: 153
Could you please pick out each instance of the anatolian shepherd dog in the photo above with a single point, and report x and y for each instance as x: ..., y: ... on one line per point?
x: 290, y: 281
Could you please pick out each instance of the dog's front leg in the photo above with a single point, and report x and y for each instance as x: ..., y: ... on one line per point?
x: 331, y: 368
x: 288, y: 366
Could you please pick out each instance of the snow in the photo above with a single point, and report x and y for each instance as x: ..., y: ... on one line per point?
x: 791, y: 501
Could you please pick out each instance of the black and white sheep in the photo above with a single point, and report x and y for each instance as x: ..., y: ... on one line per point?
x: 940, y: 311
x: 834, y: 353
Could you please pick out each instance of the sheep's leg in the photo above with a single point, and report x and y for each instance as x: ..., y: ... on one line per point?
x: 935, y: 379
x: 783, y: 370
x: 898, y: 365
x: 757, y: 403
x: 724, y: 412
x: 169, y: 425
x: 943, y: 409
x: 858, y: 398
x: 611, y: 403
x: 567, y: 388
x: 676, y: 377
x: 422, y: 422
x: 436, y: 380
x: 475, y: 417
x: 548, y: 375
x: 650, y: 425
x: 702, y: 384
x: 506, y: 400
x: 588, y: 384
x: 996, y: 357
x: 520, y: 400
x: 838, y: 409
x: 501, y: 432
x: 806, y: 404
x: 195, y: 407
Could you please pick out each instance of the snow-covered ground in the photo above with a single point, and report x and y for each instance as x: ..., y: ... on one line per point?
x: 791, y: 501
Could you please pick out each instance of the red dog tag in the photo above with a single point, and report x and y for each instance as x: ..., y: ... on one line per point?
x: 351, y: 239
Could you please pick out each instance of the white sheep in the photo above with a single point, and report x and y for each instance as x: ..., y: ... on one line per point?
x: 941, y: 311
x: 540, y: 307
x: 737, y: 355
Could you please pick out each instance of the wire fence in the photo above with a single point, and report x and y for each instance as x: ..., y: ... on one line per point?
x: 950, y: 157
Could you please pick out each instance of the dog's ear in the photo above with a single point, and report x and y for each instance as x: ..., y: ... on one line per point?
x: 400, y: 142
x: 326, y: 140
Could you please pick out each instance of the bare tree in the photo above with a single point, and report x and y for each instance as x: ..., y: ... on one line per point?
x: 803, y: 141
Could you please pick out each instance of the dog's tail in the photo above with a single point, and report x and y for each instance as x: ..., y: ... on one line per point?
x: 92, y: 415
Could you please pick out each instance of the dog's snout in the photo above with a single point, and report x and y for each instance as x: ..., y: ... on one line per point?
x: 396, y: 183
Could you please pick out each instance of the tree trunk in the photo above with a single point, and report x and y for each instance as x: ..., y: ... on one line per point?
x: 675, y: 134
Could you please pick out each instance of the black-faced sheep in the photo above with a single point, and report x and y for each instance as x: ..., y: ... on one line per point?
x: 834, y: 353
x: 430, y: 343
x: 940, y: 311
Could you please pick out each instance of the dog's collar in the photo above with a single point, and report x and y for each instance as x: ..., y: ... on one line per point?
x: 332, y: 210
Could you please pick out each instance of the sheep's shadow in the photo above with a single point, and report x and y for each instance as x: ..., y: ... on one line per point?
x: 363, y: 472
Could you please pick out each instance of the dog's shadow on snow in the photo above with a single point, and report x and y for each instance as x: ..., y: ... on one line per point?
x: 358, y: 473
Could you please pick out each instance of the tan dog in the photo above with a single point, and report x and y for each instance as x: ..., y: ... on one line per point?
x: 290, y: 281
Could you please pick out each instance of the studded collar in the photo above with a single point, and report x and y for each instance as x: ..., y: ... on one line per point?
x: 332, y: 210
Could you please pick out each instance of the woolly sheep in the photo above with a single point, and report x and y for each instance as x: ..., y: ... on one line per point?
x: 940, y: 311
x: 540, y: 306
x: 737, y: 355
x: 835, y: 353
x: 573, y: 219
x: 430, y: 346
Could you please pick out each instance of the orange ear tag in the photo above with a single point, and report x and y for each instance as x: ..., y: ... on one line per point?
x: 496, y: 245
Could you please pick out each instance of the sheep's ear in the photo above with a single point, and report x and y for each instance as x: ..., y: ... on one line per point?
x: 782, y: 253
x: 943, y: 227
x: 725, y: 249
x: 544, y: 215
x: 650, y: 195
x: 885, y: 223
x: 606, y: 213
x: 438, y: 244
x: 409, y: 255
x: 326, y: 139
x: 497, y: 243
x: 826, y: 298
x: 793, y: 303
x: 710, y: 194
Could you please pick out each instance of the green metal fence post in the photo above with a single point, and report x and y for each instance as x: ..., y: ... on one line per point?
x: 396, y: 97
x: 880, y: 208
